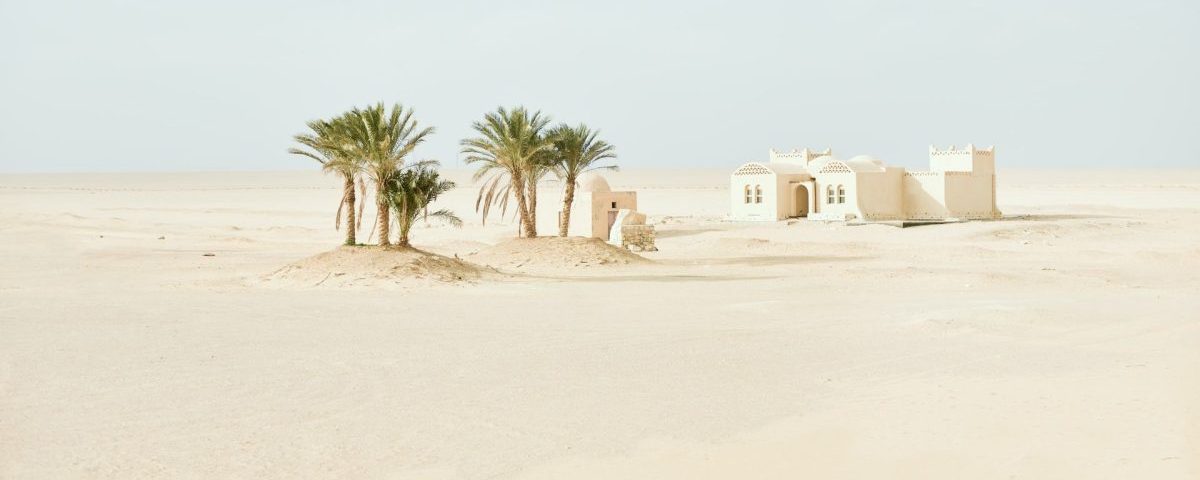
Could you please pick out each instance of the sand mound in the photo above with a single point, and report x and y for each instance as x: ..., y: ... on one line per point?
x: 555, y: 252
x: 374, y: 266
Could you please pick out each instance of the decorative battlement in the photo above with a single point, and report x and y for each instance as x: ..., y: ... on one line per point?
x: 801, y: 156
x: 969, y: 159
x: 835, y: 167
x: 970, y: 149
x: 751, y: 168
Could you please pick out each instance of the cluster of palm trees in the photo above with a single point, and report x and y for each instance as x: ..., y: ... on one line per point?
x: 515, y: 150
x: 372, y: 144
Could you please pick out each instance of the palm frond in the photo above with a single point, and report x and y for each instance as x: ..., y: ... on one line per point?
x: 448, y: 216
x: 337, y: 220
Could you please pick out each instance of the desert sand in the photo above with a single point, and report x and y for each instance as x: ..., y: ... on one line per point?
x: 1060, y: 342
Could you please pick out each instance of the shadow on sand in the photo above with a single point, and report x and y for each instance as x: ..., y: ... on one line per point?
x: 684, y: 232
x: 650, y: 278
x: 1051, y: 217
x: 761, y: 260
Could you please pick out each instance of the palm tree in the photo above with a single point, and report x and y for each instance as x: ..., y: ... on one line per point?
x: 382, y: 139
x: 576, y: 151
x: 409, y: 191
x: 542, y: 164
x: 328, y: 144
x: 508, y: 147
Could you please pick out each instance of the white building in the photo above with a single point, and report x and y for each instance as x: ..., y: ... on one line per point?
x: 594, y: 210
x: 960, y: 184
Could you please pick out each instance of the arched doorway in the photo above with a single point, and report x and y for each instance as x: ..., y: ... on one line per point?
x: 799, y: 201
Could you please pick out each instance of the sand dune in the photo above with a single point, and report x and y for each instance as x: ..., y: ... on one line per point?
x: 374, y: 267
x: 149, y: 333
x: 554, y: 254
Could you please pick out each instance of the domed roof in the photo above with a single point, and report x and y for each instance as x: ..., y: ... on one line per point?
x: 592, y: 182
x: 866, y: 158
x: 865, y: 163
x: 786, y: 167
x: 819, y: 163
x: 861, y: 163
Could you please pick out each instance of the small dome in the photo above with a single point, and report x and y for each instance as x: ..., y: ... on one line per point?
x: 866, y: 158
x: 865, y: 163
x: 818, y: 163
x: 592, y: 182
x: 786, y: 168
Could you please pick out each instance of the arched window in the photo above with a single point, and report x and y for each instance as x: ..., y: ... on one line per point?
x: 829, y: 195
x: 841, y: 194
x: 758, y: 194
x: 746, y: 194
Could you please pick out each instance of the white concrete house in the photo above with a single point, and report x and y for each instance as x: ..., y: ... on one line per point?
x: 960, y: 184
x: 593, y: 212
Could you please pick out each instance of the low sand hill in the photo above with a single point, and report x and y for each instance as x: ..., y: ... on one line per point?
x: 374, y: 266
x: 550, y: 253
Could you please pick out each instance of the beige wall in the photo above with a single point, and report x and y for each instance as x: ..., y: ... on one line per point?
x: 938, y: 195
x: 969, y: 195
x: 768, y: 210
x: 846, y: 180
x: 880, y: 194
x: 602, y: 203
x: 924, y: 194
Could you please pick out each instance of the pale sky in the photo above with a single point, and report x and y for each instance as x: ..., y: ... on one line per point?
x: 106, y: 85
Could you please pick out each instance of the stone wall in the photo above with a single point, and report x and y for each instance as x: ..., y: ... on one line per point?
x: 638, y: 238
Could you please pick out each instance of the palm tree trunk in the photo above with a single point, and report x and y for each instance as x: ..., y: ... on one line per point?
x: 351, y: 221
x: 384, y: 220
x: 564, y: 221
x: 529, y: 229
x: 405, y: 226
x: 533, y: 203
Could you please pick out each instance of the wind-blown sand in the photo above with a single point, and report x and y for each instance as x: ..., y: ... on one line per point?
x: 554, y: 255
x: 376, y: 267
x: 1062, y: 342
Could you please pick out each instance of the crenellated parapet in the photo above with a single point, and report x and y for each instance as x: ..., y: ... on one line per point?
x: 799, y: 156
x: 969, y: 150
x: 967, y: 159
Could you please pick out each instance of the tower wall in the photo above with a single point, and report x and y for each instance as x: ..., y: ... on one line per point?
x: 970, y: 196
x: 969, y: 159
x: 966, y: 187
